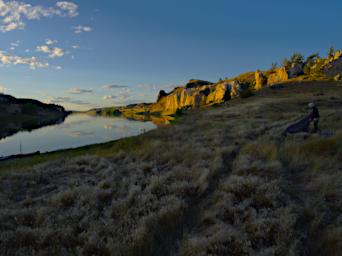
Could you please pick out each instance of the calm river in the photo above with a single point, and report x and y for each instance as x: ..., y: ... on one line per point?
x: 77, y: 130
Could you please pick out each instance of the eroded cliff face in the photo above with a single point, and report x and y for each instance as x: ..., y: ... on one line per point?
x: 192, y: 96
x: 280, y: 75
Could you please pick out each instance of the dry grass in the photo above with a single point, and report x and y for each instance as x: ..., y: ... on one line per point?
x: 221, y: 181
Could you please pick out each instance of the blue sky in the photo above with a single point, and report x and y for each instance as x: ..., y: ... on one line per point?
x: 85, y: 53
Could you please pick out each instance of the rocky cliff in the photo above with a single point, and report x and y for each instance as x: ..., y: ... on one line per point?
x: 197, y: 93
x: 192, y: 95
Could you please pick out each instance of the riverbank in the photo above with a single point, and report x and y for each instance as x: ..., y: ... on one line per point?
x: 221, y: 180
x: 27, y: 114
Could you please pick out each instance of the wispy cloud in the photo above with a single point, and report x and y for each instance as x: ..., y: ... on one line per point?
x: 114, y: 86
x: 61, y: 100
x: 80, y: 29
x: 156, y: 86
x: 68, y: 7
x: 50, y: 41
x: 14, y: 45
x: 125, y: 95
x: 13, y: 14
x: 80, y: 91
x: 109, y: 97
x: 33, y: 62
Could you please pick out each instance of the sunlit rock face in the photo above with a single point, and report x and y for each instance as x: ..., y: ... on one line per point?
x: 260, y: 80
x: 194, y: 94
x: 279, y: 76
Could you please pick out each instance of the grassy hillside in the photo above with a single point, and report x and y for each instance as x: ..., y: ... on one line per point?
x: 219, y: 181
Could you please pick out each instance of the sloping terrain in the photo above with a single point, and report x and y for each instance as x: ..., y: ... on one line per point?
x: 26, y: 114
x: 219, y: 181
x: 199, y: 93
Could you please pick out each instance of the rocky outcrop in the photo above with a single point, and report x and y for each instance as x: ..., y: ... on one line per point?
x: 236, y: 89
x: 333, y: 65
x: 194, y: 94
x: 260, y: 80
x: 161, y: 94
x: 296, y: 69
x: 279, y: 76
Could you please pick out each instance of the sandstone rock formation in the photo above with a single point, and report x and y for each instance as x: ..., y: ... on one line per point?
x: 236, y: 89
x: 279, y: 76
x: 260, y: 80
x: 194, y: 94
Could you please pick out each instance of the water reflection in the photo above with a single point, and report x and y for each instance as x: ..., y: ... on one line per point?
x: 76, y: 130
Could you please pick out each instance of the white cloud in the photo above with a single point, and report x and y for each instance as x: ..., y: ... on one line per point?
x: 55, y: 52
x: 80, y: 29
x: 33, y: 62
x: 75, y: 47
x: 2, y: 89
x: 109, y: 97
x: 59, y: 100
x: 80, y: 91
x: 13, y: 14
x: 43, y: 48
x: 69, y: 7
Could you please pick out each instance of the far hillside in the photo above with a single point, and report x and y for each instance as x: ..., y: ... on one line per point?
x: 26, y: 114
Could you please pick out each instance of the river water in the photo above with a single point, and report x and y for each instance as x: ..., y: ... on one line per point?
x: 77, y: 130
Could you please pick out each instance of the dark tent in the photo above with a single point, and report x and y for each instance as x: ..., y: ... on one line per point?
x: 300, y: 126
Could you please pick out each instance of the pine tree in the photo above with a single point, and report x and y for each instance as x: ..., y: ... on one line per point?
x: 331, y: 52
